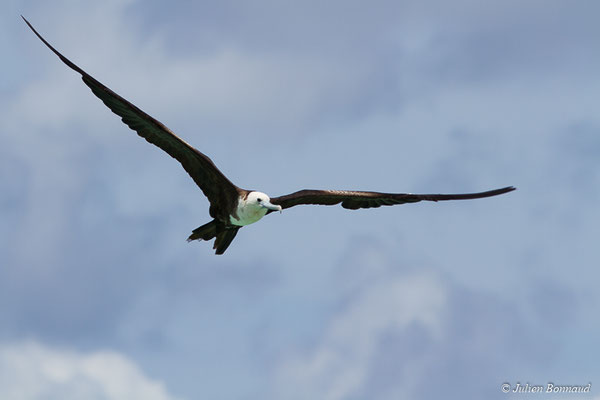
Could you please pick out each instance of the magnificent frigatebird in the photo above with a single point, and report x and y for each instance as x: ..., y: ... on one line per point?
x: 230, y: 206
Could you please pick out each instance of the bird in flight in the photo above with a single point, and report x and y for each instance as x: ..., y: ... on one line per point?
x: 232, y: 207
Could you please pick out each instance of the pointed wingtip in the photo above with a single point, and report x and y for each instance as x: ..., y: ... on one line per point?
x: 27, y: 22
x: 36, y: 33
x: 496, y: 192
x: 503, y: 190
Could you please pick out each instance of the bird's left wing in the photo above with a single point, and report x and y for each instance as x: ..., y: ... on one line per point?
x: 200, y: 167
x: 354, y: 200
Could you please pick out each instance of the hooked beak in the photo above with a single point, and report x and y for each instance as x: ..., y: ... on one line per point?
x: 271, y: 206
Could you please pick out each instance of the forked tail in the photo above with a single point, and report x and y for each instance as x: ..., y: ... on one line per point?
x: 224, y: 234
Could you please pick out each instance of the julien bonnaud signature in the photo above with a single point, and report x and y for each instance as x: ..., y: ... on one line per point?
x: 550, y: 387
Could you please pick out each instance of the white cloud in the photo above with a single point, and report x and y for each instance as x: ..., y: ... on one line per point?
x: 340, y: 365
x: 31, y: 371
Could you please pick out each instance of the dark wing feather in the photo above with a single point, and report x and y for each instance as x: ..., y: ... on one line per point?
x: 354, y: 200
x: 203, y: 171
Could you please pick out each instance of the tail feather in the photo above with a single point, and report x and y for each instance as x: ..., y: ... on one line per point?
x: 205, y: 232
x: 224, y: 235
x: 224, y: 239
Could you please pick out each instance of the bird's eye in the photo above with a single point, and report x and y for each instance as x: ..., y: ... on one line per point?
x: 259, y: 200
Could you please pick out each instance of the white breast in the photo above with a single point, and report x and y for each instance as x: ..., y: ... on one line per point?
x: 247, y: 213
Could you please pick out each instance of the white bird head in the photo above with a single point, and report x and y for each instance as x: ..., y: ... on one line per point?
x: 261, y: 200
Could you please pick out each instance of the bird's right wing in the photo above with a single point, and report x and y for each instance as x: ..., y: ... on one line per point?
x: 199, y: 166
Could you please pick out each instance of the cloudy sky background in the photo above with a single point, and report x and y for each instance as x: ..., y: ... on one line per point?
x: 102, y: 298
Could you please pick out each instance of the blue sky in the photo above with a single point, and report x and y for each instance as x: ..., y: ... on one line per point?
x: 101, y: 296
